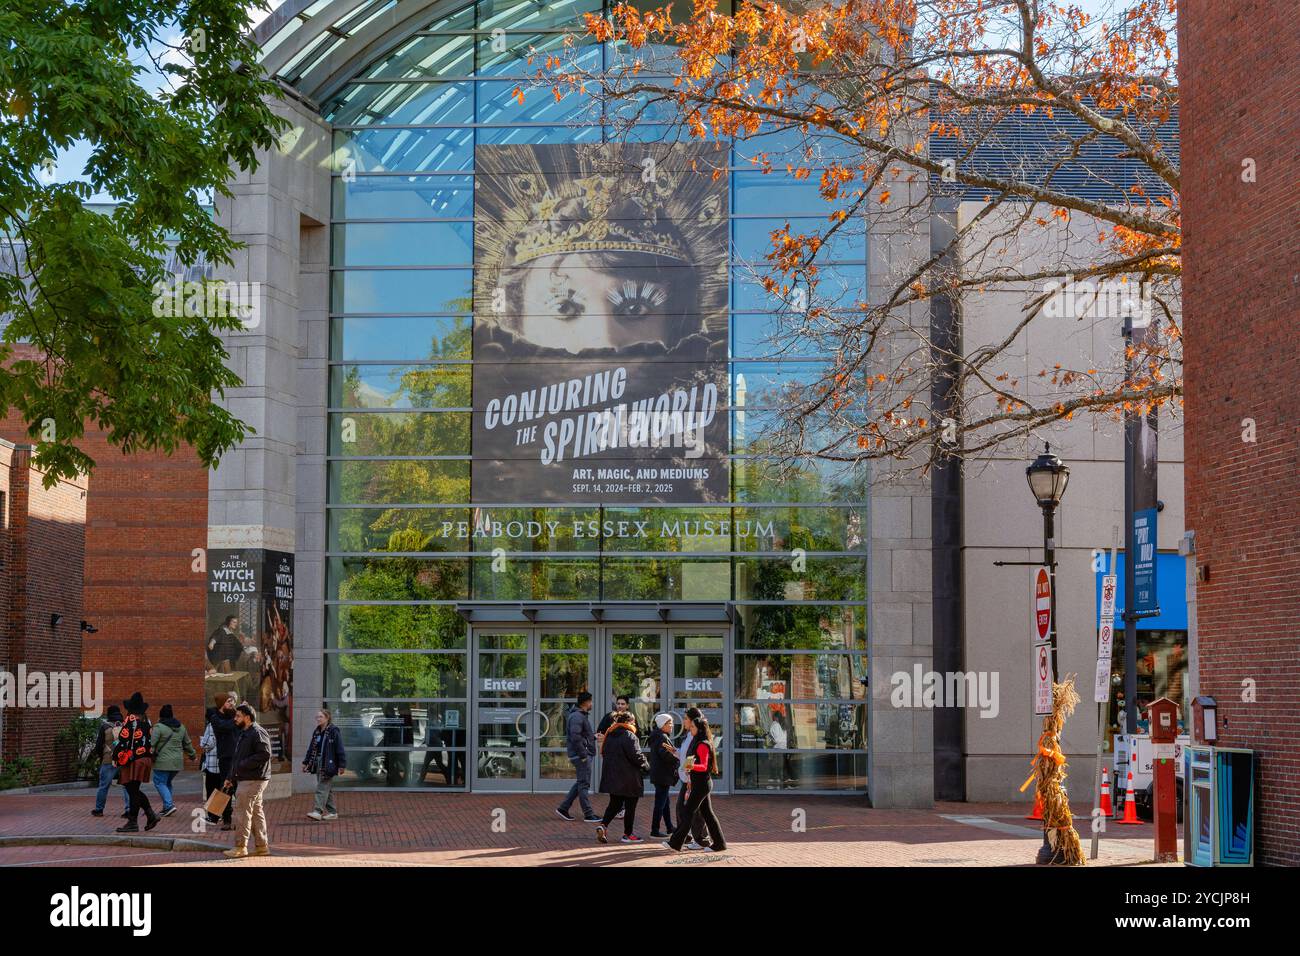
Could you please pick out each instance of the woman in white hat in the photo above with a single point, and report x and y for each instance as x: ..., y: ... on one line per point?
x: 663, y: 773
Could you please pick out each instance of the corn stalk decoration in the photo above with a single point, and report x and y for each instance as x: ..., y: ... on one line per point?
x: 1049, y: 778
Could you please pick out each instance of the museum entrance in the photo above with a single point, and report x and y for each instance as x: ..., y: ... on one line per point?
x: 526, y: 681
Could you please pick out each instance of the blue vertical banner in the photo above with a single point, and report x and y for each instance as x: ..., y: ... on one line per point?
x: 1144, y: 562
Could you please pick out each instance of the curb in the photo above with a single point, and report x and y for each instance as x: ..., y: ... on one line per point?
x: 111, y: 839
x: 49, y: 788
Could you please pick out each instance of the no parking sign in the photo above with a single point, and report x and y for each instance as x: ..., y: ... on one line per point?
x: 1042, y: 680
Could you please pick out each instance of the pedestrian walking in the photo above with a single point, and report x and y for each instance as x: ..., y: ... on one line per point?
x: 580, y: 745
x: 663, y: 774
x: 326, y: 759
x: 105, y: 741
x: 621, y: 704
x: 699, y: 832
x: 133, y: 757
x: 249, y: 774
x: 621, y: 776
x: 171, y: 744
x: 219, y: 754
x: 701, y: 763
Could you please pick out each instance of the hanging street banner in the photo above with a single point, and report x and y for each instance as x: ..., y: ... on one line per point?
x: 1042, y: 581
x: 1146, y: 459
x: 600, y: 325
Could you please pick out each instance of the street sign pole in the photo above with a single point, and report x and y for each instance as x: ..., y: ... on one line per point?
x: 1104, y: 626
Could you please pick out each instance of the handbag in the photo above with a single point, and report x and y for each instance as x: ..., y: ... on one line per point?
x: 217, y: 802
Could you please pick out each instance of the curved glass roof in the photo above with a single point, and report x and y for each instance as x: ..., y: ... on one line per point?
x: 317, y: 46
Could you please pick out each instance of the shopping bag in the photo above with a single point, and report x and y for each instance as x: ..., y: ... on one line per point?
x: 217, y: 801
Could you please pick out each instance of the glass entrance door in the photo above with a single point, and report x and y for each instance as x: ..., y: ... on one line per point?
x: 526, y: 680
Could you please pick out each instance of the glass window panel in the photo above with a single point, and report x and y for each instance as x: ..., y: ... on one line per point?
x: 401, y: 337
x: 533, y: 579
x: 369, y: 725
x: 824, y: 579
x: 638, y: 675
x: 393, y: 626
x: 697, y: 677
x: 778, y: 335
x: 396, y: 676
x: 502, y: 642
x: 396, y: 579
x: 801, y: 676
x: 403, y: 197
x: 698, y: 642
x: 404, y: 529
x: 564, y: 642
x: 586, y: 133
x: 636, y: 642
x: 534, y: 530
x: 502, y: 675
x: 804, y: 479
x: 801, y: 627
x: 499, y: 104
x: 778, y: 193
x: 813, y: 529
x: 523, y: 53
x: 756, y: 431
x: 426, y: 769
x: 665, y: 579
x: 403, y: 290
x: 503, y: 763
x: 403, y: 150
x: 398, y: 482
x: 404, y: 244
x: 806, y: 771
x: 425, y: 56
x: 786, y: 726
x: 689, y: 530
x: 400, y: 386
x: 395, y: 104
x: 838, y: 287
x: 563, y: 676
x: 751, y: 239
x: 782, y: 145
x: 762, y: 384
x: 399, y: 433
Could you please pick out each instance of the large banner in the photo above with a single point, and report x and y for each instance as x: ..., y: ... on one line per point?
x: 248, y: 650
x: 600, y: 325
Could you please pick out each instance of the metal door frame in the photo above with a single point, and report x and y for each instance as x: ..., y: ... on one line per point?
x: 599, y: 678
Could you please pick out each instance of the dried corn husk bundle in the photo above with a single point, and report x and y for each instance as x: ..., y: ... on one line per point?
x: 1049, y: 777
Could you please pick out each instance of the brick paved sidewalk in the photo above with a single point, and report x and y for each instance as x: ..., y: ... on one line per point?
x: 380, y: 829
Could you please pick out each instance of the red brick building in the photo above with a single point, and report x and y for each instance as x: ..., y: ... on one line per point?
x: 1241, y: 304
x: 42, y: 545
x: 141, y: 517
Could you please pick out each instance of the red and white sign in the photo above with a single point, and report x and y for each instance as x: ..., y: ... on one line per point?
x: 1042, y: 605
x: 1042, y: 680
x: 1106, y: 629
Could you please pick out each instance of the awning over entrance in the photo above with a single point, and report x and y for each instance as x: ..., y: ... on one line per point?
x: 568, y: 612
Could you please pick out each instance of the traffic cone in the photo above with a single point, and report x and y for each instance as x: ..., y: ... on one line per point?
x: 1130, y: 804
x: 1105, y: 792
x: 1038, y: 808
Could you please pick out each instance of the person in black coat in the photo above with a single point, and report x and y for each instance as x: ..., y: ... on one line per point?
x: 663, y: 773
x: 621, y: 776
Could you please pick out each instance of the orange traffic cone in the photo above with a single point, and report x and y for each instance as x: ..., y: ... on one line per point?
x: 1105, y: 792
x: 1130, y: 804
x: 1038, y: 808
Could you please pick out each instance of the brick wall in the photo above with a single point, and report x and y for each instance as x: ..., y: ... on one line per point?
x: 44, y: 541
x: 1241, y: 300
x: 144, y: 515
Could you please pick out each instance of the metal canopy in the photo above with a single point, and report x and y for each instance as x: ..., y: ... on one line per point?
x: 612, y: 612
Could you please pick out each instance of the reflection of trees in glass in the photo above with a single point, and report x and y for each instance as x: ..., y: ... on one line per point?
x: 400, y: 675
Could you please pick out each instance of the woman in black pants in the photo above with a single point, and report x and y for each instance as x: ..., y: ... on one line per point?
x: 702, y: 762
x: 621, y: 776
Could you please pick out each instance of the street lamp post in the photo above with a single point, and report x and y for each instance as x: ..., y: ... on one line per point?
x: 1047, y: 478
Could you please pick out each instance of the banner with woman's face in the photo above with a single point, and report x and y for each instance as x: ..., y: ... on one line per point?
x: 600, y: 325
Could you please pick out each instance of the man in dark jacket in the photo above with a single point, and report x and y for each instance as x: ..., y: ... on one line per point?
x: 622, y: 776
x: 581, y: 748
x: 226, y: 732
x: 250, y: 772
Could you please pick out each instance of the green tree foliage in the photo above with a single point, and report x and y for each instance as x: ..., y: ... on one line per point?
x: 79, y: 286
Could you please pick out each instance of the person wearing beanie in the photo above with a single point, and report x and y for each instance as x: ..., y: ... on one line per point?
x: 663, y: 774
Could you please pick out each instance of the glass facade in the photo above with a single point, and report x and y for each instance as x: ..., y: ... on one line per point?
x: 428, y: 699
